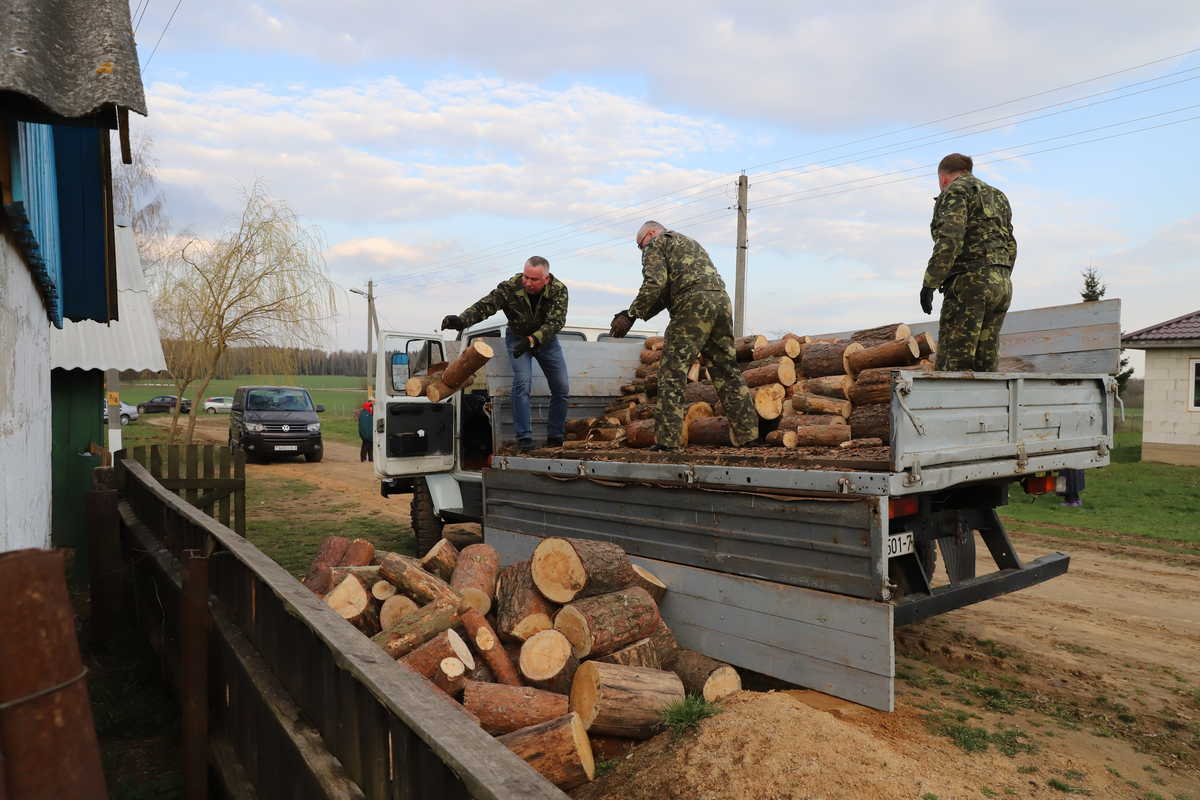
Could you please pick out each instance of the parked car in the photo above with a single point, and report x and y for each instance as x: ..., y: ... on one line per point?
x: 164, y: 402
x: 213, y: 405
x: 269, y: 421
x: 128, y: 413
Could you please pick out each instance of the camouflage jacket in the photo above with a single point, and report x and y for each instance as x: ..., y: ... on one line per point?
x: 542, y: 322
x: 673, y: 266
x: 971, y: 228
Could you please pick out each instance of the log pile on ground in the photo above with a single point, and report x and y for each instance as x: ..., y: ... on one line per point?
x: 550, y: 654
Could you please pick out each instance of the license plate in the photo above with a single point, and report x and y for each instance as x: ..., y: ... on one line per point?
x: 294, y: 447
x: 900, y: 544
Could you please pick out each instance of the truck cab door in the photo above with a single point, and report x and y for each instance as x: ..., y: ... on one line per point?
x: 411, y: 435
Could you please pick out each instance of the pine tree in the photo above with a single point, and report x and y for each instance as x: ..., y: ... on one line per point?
x: 1093, y: 289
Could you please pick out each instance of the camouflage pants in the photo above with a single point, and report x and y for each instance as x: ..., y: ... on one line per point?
x: 702, y: 325
x: 972, y: 313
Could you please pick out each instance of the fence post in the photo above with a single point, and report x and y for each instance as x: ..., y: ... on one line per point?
x: 193, y: 684
x: 104, y: 562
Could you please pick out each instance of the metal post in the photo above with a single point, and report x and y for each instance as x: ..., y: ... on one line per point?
x: 370, y: 340
x: 739, y: 294
x: 193, y: 677
x: 112, y: 385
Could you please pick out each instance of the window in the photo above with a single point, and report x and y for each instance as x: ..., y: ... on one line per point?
x: 1194, y: 400
x: 278, y: 400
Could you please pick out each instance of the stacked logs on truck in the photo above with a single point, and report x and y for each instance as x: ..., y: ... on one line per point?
x: 438, y: 384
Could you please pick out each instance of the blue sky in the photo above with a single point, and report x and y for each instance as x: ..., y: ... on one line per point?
x: 438, y: 146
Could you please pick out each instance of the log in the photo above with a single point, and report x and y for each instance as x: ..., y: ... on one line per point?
x: 744, y: 346
x: 866, y: 393
x: 482, y: 673
x: 367, y: 576
x: 440, y: 559
x: 781, y: 438
x: 329, y: 555
x: 793, y: 421
x: 394, y: 609
x: 822, y: 435
x: 381, y: 590
x: 417, y: 385
x: 784, y: 347
x: 655, y: 342
x: 426, y: 658
x: 650, y: 582
x: 924, y: 364
x: 640, y: 433
x: 704, y: 676
x: 572, y: 569
x: 825, y: 358
x: 475, y: 576
x: 837, y: 386
x: 439, y: 391
x: 460, y: 371
x: 884, y: 333
x: 639, y: 654
x: 804, y: 402
x: 899, y: 353
x: 926, y: 346
x: 559, y: 750
x: 450, y: 676
x: 611, y: 748
x: 710, y: 431
x: 664, y: 644
x: 694, y: 372
x: 768, y: 400
x: 617, y: 700
x: 416, y: 628
x: 408, y: 576
x: 646, y: 370
x: 871, y: 421
x: 606, y: 434
x: 521, y: 610
x: 503, y: 709
x: 349, y: 598
x: 597, y: 626
x: 360, y: 553
x: 867, y: 442
x: 783, y: 371
x: 645, y: 410
x: 650, y: 356
x: 580, y: 426
x: 485, y: 641
x: 701, y: 392
x: 548, y: 661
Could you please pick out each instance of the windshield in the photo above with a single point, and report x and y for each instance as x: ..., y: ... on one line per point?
x: 278, y: 400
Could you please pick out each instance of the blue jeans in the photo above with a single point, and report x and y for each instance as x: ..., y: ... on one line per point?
x: 550, y: 357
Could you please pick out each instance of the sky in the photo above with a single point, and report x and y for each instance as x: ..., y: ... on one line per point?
x: 436, y: 147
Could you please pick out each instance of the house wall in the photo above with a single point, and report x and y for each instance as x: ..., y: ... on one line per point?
x: 1170, y: 430
x: 24, y: 407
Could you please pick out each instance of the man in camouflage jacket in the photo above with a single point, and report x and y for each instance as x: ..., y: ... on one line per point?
x: 678, y: 275
x: 535, y: 303
x: 973, y: 256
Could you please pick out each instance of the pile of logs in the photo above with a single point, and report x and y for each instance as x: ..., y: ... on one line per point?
x: 443, y: 380
x: 807, y: 392
x: 561, y: 657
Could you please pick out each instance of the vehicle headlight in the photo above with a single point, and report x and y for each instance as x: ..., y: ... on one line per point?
x: 255, y: 427
x: 314, y: 427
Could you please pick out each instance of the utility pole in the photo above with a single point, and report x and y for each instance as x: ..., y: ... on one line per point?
x: 371, y: 326
x: 739, y: 292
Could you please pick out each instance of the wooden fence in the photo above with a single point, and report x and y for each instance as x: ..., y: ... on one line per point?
x: 280, y: 697
x: 208, y: 476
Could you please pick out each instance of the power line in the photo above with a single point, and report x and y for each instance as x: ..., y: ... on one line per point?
x: 161, y: 35
x: 139, y: 13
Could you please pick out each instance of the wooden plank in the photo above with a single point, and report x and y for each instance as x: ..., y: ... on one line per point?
x: 224, y: 472
x: 156, y: 460
x: 349, y: 746
x: 173, y: 462
x: 139, y: 454
x: 229, y: 770
x: 239, y: 499
x: 192, y: 470
x: 1102, y: 362
x: 404, y: 745
x: 196, y: 483
x: 207, y: 458
x: 373, y: 744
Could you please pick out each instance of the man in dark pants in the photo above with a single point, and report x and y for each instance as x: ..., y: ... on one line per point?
x: 973, y: 256
x: 678, y: 275
x: 366, y: 419
x: 535, y: 303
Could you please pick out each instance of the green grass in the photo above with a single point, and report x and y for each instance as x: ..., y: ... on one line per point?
x: 683, y: 715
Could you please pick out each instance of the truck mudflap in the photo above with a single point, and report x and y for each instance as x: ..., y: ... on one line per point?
x: 916, y: 607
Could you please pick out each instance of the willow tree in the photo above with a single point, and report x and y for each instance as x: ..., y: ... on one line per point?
x: 260, y: 283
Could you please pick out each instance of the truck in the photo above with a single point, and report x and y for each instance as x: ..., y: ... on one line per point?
x: 796, y: 567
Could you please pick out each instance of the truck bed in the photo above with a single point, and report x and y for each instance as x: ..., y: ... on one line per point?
x: 876, y: 459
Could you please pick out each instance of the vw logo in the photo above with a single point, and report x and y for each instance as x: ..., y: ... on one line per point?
x: 286, y: 428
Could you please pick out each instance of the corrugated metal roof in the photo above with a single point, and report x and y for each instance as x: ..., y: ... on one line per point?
x: 131, y: 342
x: 73, y: 58
x: 1184, y: 327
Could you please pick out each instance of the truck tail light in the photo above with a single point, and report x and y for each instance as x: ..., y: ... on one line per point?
x: 902, y: 507
x: 1040, y: 484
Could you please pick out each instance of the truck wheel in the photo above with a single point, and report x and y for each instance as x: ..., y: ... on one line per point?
x: 927, y: 552
x: 313, y: 458
x: 427, y: 528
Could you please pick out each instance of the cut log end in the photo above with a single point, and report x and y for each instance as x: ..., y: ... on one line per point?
x: 543, y: 655
x: 721, y: 683
x: 650, y: 582
x: 558, y: 571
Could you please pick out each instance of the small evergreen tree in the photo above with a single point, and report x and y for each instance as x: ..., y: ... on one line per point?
x: 1093, y: 289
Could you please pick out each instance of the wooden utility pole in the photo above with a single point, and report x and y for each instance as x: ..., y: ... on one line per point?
x: 739, y: 293
x: 112, y: 380
x: 372, y: 329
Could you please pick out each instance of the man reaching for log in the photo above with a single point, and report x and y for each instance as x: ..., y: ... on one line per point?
x: 535, y: 303
x: 973, y: 256
x: 678, y: 275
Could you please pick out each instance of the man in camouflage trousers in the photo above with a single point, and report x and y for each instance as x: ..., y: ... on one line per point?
x: 535, y: 303
x: 973, y: 256
x: 678, y: 275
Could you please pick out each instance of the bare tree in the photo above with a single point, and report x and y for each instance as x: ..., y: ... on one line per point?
x: 138, y: 198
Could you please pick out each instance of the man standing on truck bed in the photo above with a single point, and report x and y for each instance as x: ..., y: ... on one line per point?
x: 678, y: 275
x: 535, y: 303
x: 973, y: 256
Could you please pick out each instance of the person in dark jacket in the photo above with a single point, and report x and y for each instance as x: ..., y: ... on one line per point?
x: 366, y: 419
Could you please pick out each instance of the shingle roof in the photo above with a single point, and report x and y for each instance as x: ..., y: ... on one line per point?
x: 1184, y: 327
x: 71, y: 58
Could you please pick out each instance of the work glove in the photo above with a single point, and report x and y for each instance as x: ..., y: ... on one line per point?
x: 452, y: 322
x: 524, y: 346
x: 621, y: 323
x: 927, y: 300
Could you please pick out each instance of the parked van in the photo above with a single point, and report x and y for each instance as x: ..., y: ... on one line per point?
x: 271, y: 421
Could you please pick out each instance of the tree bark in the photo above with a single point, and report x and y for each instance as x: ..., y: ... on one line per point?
x: 884, y: 333
x: 655, y: 342
x: 701, y: 675
x: 611, y: 748
x: 837, y: 386
x: 408, y: 577
x: 426, y: 658
x: 571, y: 569
x: 450, y: 676
x: 367, y: 576
x: 623, y: 701
x: 664, y: 644
x: 460, y: 371
x: 768, y: 400
x: 503, y: 709
x: 822, y: 435
x: 744, y: 347
x: 483, y: 637
x: 784, y: 347
x: 826, y: 358
x: 360, y: 553
x: 926, y: 346
x: 783, y: 371
x: 381, y: 590
x: 640, y: 433
x: 897, y: 353
x: 394, y: 609
x: 701, y: 392
x: 416, y: 628
x: 650, y: 582
x: 868, y: 442
x: 548, y: 661
x: 871, y: 391
x: 559, y: 750
x: 646, y: 370
x: 803, y: 402
x: 416, y: 386
x: 521, y: 610
x: 475, y: 576
x: 710, y: 431
x: 781, y: 438
x: 440, y: 559
x: 873, y: 421
x: 793, y: 421
x: 650, y: 356
x: 597, y: 626
x: 580, y: 426
x: 638, y: 654
x: 329, y: 554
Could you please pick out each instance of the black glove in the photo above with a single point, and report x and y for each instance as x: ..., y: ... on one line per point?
x: 452, y: 322
x: 927, y: 300
x: 524, y: 346
x: 621, y: 323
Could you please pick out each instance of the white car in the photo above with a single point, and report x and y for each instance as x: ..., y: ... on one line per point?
x: 128, y: 413
x: 212, y: 405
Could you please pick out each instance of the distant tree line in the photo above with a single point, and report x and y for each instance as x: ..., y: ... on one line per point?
x: 283, y: 360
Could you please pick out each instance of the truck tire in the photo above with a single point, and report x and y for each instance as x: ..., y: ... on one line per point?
x: 314, y: 458
x: 427, y: 528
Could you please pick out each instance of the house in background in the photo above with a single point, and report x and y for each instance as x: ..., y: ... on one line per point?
x: 68, y: 75
x: 1171, y: 413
